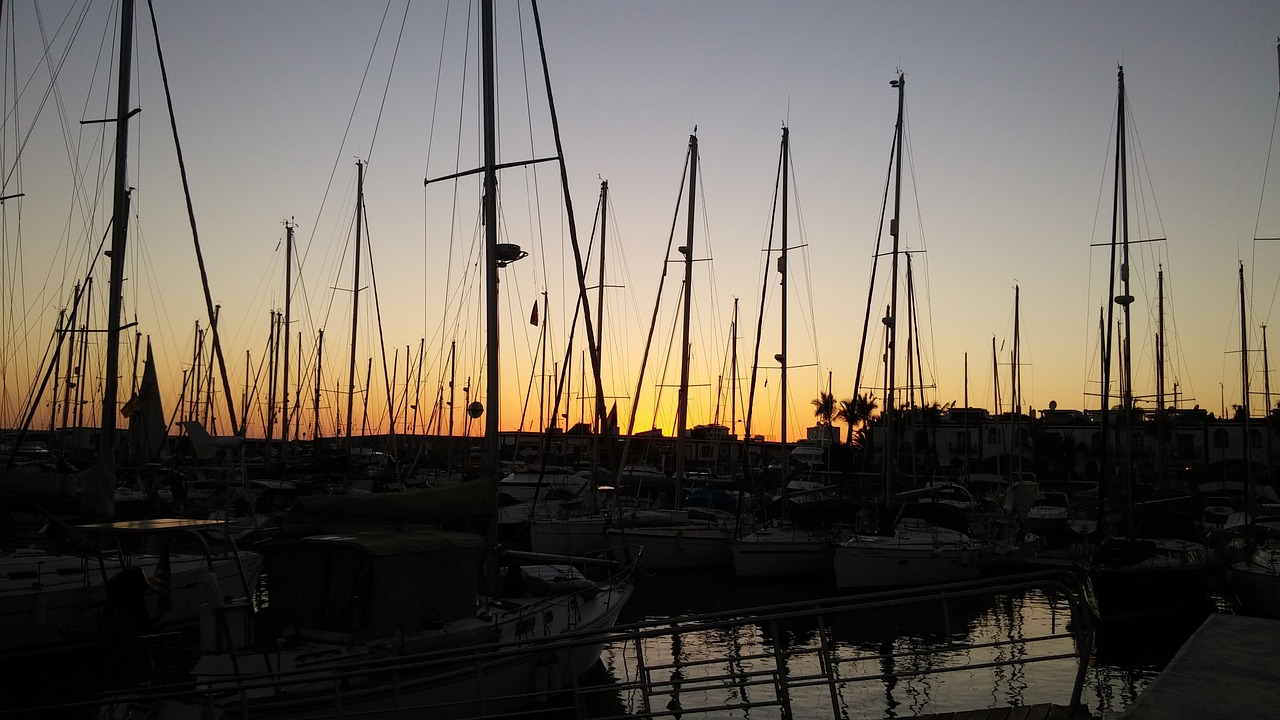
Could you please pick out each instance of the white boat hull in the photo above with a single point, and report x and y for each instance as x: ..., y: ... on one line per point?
x: 1257, y: 583
x: 865, y: 563
x: 776, y: 552
x: 573, y: 537
x: 51, y: 603
x: 690, y: 547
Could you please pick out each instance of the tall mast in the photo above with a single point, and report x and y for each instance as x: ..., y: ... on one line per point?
x: 490, y: 236
x: 1244, y: 388
x: 1015, y: 441
x: 890, y: 320
x: 71, y: 364
x: 453, y: 373
x: 119, y: 237
x: 59, y: 329
x: 288, y: 290
x: 315, y: 404
x: 1125, y: 299
x: 1015, y: 386
x: 1266, y: 372
x: 273, y: 364
x: 1161, y: 443
x: 593, y: 342
x: 733, y: 372
x: 682, y: 402
x: 604, y: 214
x: 1266, y: 394
x: 417, y: 385
x: 355, y: 298
x: 542, y: 372
x: 782, y: 268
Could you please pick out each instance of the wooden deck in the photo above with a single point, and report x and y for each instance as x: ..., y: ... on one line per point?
x: 1025, y: 712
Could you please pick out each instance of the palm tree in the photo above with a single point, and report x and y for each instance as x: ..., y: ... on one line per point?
x: 855, y: 413
x: 824, y: 407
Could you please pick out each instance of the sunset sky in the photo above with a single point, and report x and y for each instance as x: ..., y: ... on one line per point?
x: 1011, y: 115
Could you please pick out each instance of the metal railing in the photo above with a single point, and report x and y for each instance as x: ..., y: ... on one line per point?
x: 784, y: 661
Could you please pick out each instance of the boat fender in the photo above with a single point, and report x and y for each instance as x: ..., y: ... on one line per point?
x: 679, y: 540
x: 553, y: 673
x: 540, y: 681
x: 40, y: 610
x: 213, y: 593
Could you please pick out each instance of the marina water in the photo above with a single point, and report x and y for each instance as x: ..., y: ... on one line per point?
x: 908, y: 647
x: 910, y: 644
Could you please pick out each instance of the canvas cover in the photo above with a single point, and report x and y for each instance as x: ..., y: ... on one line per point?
x: 375, y: 583
x: 470, y: 501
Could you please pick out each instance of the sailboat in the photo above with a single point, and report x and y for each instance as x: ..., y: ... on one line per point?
x: 381, y: 579
x: 1136, y: 573
x: 72, y: 595
x: 1255, y: 578
x: 785, y: 548
x: 921, y: 548
x: 679, y: 538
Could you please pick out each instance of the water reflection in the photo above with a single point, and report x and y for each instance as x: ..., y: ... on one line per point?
x: 887, y: 659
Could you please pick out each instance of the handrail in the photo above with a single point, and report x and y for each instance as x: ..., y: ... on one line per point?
x: 777, y: 674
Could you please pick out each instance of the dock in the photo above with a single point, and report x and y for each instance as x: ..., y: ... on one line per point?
x: 1024, y: 712
x: 1226, y: 669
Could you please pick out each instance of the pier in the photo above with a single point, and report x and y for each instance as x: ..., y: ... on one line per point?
x: 1226, y: 669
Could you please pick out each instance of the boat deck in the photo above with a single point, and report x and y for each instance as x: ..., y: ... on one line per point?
x: 1226, y: 669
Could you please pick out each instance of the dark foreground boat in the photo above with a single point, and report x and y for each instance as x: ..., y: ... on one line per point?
x: 352, y: 594
x: 1130, y: 578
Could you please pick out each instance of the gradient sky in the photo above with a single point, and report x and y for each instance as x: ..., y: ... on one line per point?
x: 1010, y: 121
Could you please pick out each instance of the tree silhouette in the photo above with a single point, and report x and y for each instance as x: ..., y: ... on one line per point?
x: 856, y: 414
x: 824, y: 407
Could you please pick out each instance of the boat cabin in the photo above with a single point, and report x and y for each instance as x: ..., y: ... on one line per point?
x: 374, y: 584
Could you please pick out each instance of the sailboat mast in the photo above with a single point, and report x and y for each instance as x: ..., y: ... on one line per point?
x: 1266, y: 394
x: 273, y: 364
x: 57, y: 369
x: 1016, y: 373
x: 355, y: 298
x: 782, y: 268
x: 1015, y: 380
x: 284, y: 384
x: 682, y: 402
x: 71, y: 365
x: 1244, y: 387
x: 593, y: 341
x: 542, y: 372
x: 1266, y: 373
x: 733, y: 372
x: 890, y: 320
x: 490, y: 236
x: 417, y: 385
x: 598, y: 424
x: 453, y: 376
x: 1161, y: 443
x: 119, y: 237
x: 995, y: 374
x: 315, y: 404
x: 1125, y: 300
